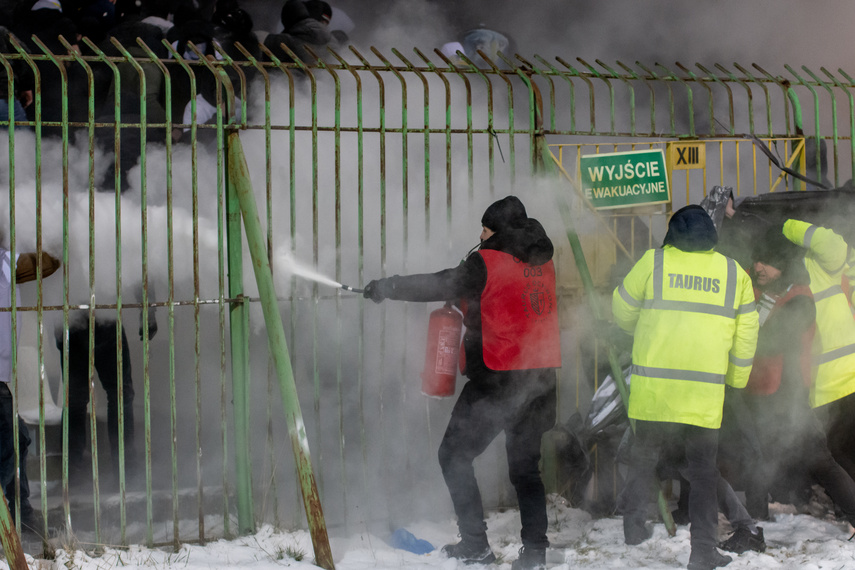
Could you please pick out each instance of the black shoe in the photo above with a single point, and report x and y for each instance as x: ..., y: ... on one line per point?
x: 680, y: 516
x: 708, y: 559
x: 743, y: 540
x: 471, y: 551
x: 634, y: 534
x: 530, y: 559
x: 32, y: 520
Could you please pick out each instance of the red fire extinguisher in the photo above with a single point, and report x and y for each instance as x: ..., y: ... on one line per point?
x: 443, y: 349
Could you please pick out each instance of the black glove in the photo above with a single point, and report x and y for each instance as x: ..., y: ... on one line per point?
x: 375, y: 290
x: 612, y: 334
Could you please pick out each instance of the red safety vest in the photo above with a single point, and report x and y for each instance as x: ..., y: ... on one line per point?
x: 519, y: 314
x: 766, y: 373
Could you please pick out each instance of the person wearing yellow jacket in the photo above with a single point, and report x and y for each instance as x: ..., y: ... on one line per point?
x: 833, y: 388
x: 691, y: 312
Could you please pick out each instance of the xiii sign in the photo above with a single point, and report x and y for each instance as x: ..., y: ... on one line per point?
x: 620, y: 179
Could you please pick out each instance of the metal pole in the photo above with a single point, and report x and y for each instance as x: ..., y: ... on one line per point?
x: 239, y: 181
x: 10, y: 540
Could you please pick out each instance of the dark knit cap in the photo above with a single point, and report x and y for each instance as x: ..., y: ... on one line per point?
x: 293, y: 12
x: 691, y: 229
x: 234, y: 19
x: 319, y: 10
x: 772, y: 248
x: 504, y: 214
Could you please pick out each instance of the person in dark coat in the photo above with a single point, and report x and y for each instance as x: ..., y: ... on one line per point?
x: 130, y: 29
x: 511, y: 349
x: 796, y: 452
x: 47, y: 21
x: 191, y: 26
x: 233, y: 25
x: 305, y: 25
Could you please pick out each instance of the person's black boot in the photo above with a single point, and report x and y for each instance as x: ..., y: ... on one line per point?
x: 707, y: 559
x: 471, y: 550
x: 31, y: 520
x: 634, y: 534
x: 743, y: 540
x: 530, y: 559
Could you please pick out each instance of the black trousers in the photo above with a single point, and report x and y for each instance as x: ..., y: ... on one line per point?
x: 840, y: 428
x: 522, y: 404
x: 701, y: 445
x: 7, y: 449
x: 105, y: 361
x: 813, y: 457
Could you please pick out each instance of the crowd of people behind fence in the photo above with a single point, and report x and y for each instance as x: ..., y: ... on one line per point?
x: 115, y: 28
x: 93, y: 27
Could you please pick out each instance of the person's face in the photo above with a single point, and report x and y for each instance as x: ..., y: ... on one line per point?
x: 765, y: 273
x: 486, y: 233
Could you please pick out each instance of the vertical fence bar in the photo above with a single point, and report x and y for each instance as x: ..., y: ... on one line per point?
x: 338, y: 276
x: 292, y: 199
x: 238, y: 318
x: 360, y: 250
x: 268, y: 185
x: 91, y: 344
x: 851, y: 116
x: 9, y: 529
x: 834, y: 137
x: 170, y: 290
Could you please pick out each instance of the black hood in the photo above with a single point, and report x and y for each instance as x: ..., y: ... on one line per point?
x: 504, y: 214
x: 526, y: 240
x: 691, y: 229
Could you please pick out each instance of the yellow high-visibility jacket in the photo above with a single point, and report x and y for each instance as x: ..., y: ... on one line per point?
x: 695, y: 329
x: 834, y: 342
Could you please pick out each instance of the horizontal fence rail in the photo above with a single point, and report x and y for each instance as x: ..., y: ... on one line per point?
x: 364, y: 164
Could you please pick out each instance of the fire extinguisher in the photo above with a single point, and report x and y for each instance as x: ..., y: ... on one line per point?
x: 443, y: 350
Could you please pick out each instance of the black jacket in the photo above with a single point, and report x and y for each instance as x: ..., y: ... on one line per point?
x: 526, y: 241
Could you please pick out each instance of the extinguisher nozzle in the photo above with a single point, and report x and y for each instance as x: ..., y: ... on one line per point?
x: 352, y: 289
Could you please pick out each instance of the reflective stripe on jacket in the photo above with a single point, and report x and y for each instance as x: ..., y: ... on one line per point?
x: 695, y: 327
x: 834, y: 342
x: 519, y: 314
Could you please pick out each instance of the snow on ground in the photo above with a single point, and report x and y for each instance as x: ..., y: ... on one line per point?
x: 578, y: 542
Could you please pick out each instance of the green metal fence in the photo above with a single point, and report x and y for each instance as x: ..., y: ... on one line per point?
x: 365, y: 163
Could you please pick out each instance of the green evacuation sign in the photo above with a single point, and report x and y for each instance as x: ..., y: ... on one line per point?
x: 620, y: 179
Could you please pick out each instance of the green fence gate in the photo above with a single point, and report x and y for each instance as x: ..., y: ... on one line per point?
x: 364, y: 163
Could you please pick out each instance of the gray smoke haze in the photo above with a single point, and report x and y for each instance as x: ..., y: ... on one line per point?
x: 766, y: 32
x: 373, y: 436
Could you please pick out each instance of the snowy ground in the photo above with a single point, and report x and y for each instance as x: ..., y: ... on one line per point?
x: 578, y: 542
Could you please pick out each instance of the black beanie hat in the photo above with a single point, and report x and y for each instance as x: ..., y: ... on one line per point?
x: 504, y: 214
x: 772, y: 248
x: 691, y: 229
x: 319, y: 10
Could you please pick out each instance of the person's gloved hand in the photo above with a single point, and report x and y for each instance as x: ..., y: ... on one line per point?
x: 612, y: 334
x: 375, y: 290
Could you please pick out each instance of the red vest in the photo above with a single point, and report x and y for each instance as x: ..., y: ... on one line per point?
x: 766, y: 372
x: 519, y: 314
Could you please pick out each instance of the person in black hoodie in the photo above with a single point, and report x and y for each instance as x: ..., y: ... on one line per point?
x: 507, y: 292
